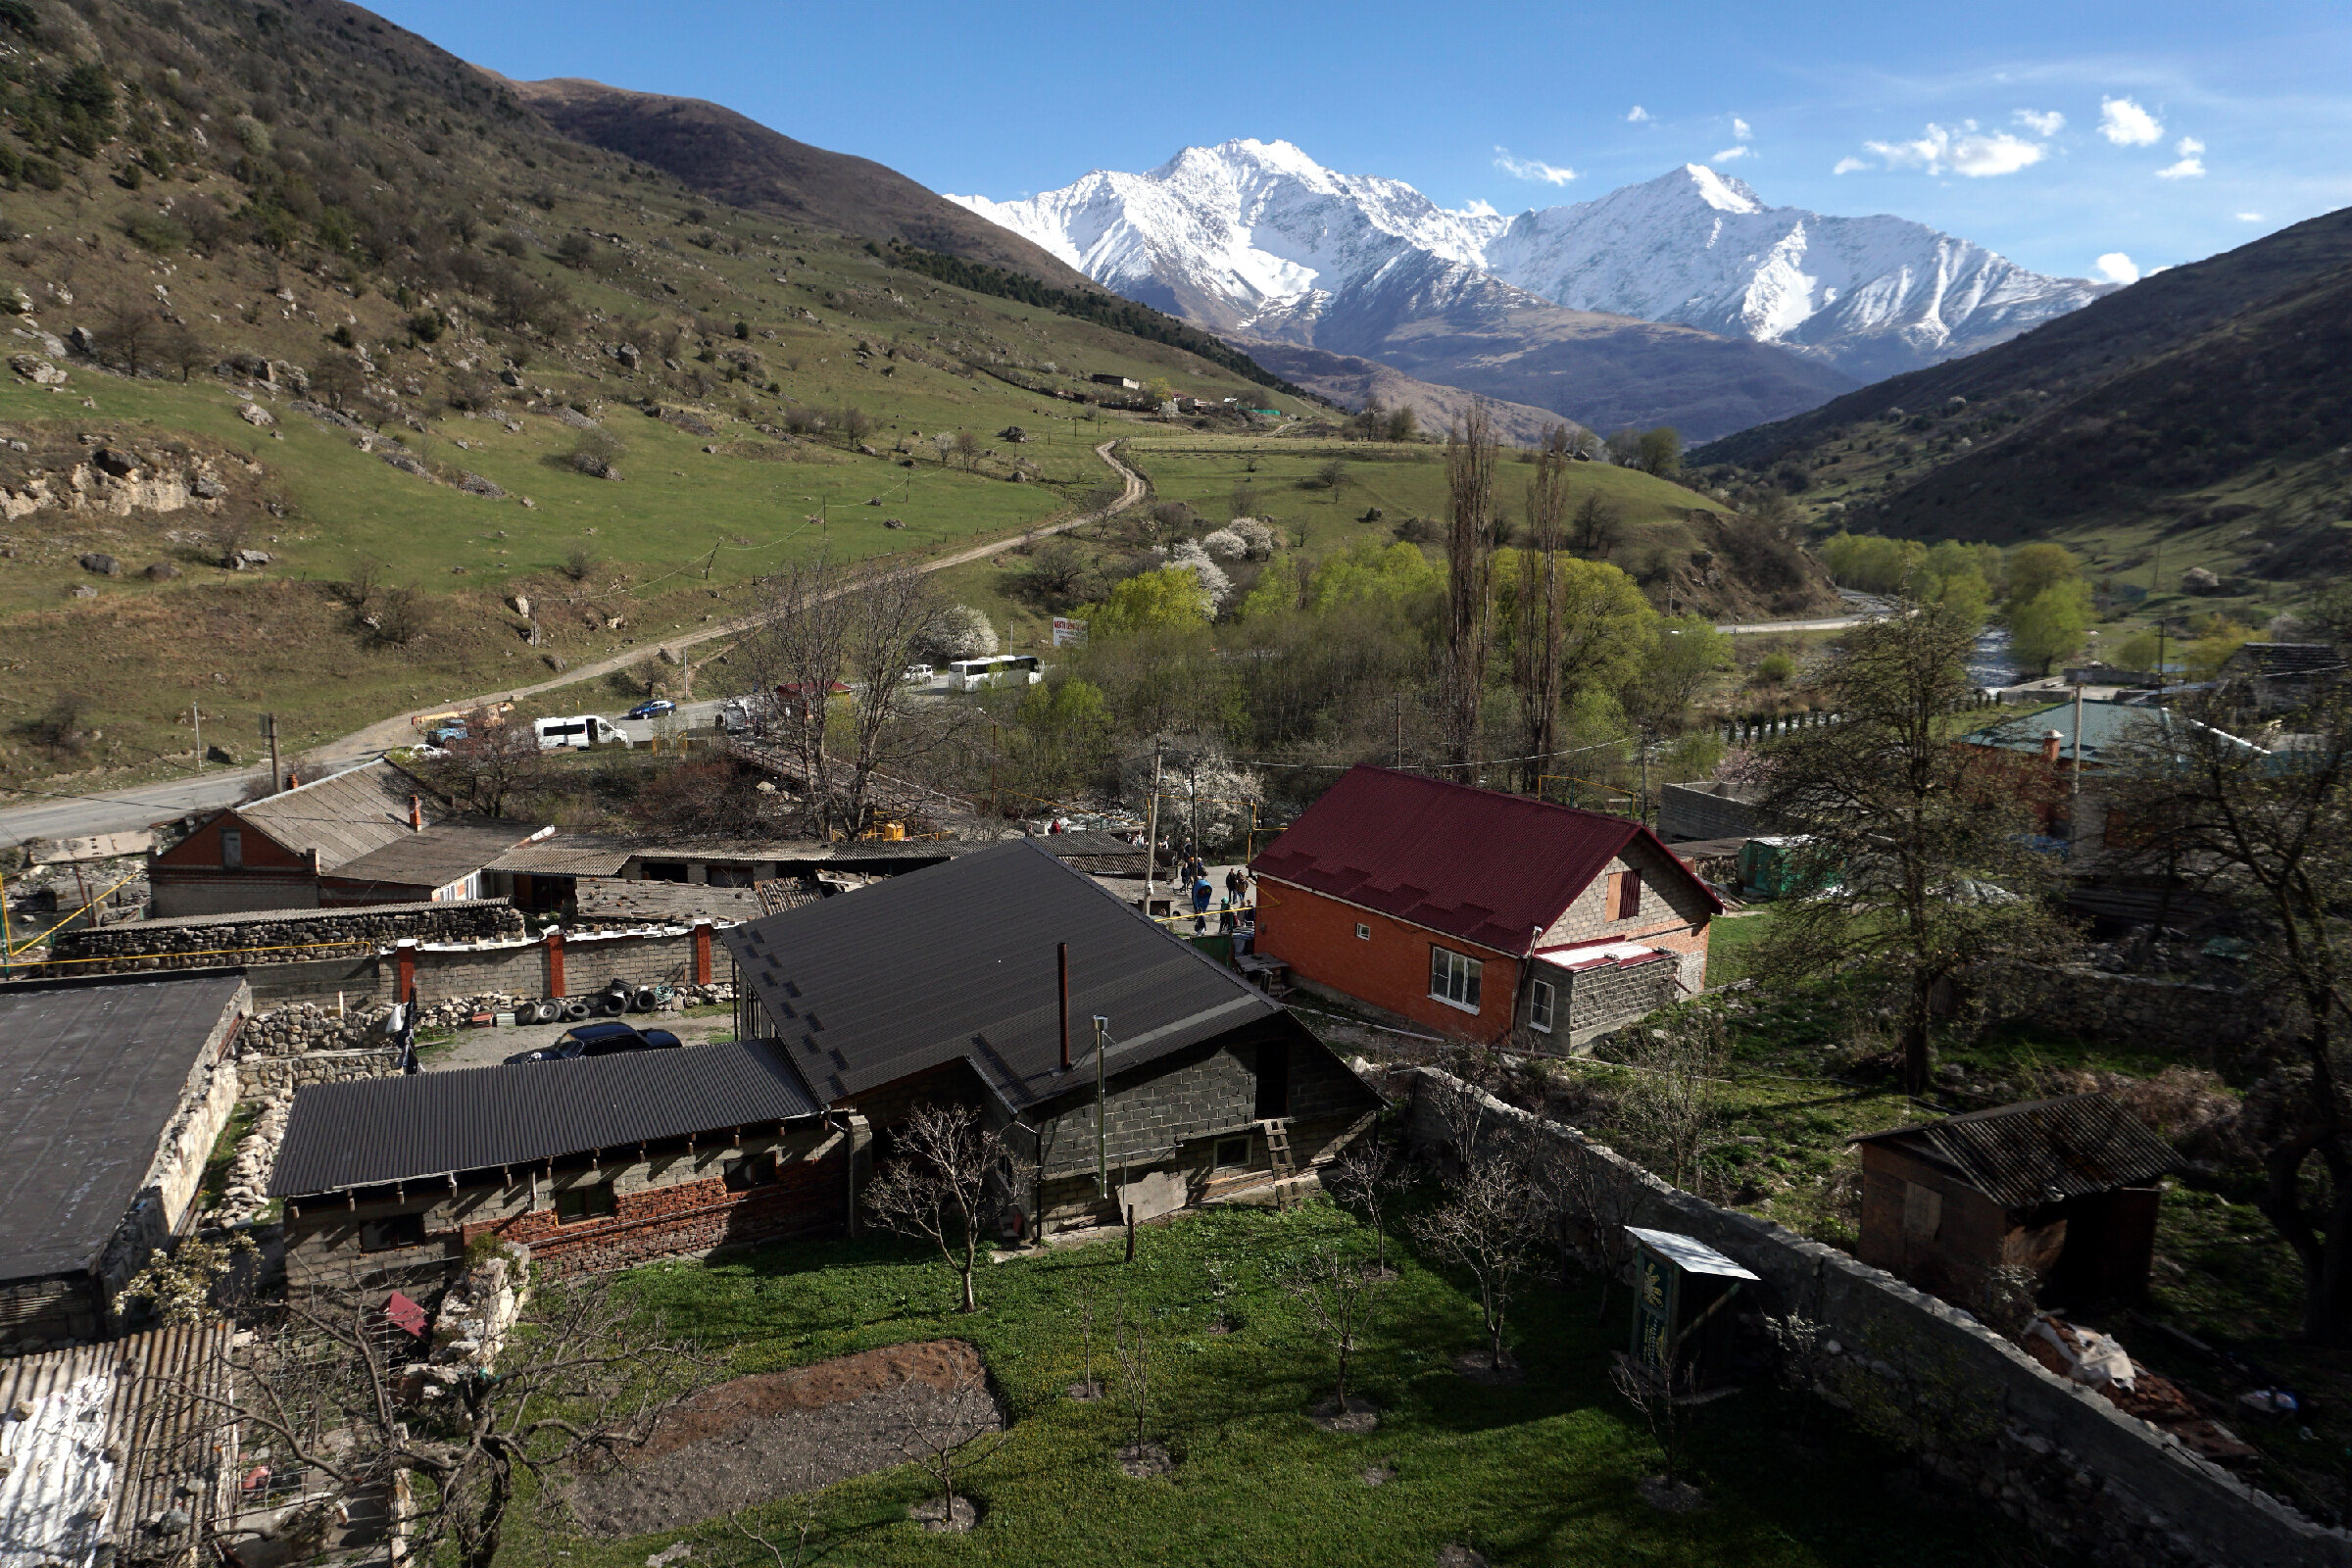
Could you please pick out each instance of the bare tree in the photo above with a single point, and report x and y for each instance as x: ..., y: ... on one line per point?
x: 1489, y: 1224
x: 967, y: 449
x: 1674, y: 1105
x: 489, y: 766
x: 948, y: 1437
x: 805, y: 1525
x: 1365, y: 1178
x: 942, y: 1186
x: 1589, y: 1201
x: 1135, y: 1369
x: 183, y: 350
x: 1343, y: 1300
x: 586, y: 1377
x: 1595, y: 529
x: 798, y: 654
x: 1470, y: 446
x: 1655, y: 1392
x: 889, y: 612
x: 130, y: 333
x: 1536, y: 644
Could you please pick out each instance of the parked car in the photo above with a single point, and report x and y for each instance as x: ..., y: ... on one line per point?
x: 599, y: 1039
x: 917, y: 675
x: 651, y: 708
x: 735, y: 717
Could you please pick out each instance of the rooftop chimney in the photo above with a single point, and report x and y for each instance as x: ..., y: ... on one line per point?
x: 2050, y: 742
x: 1061, y: 966
x: 416, y: 802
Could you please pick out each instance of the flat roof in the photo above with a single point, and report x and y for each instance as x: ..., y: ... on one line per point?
x: 91, y: 1075
x: 365, y: 1132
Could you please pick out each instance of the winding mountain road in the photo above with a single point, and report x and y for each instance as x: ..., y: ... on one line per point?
x: 58, y: 814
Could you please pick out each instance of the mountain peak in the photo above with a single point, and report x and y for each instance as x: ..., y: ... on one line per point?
x: 1722, y: 192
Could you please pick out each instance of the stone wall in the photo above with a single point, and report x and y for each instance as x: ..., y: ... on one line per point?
x: 1708, y: 809
x: 262, y: 1076
x: 276, y: 935
x: 1978, y: 1411
x: 2128, y: 1009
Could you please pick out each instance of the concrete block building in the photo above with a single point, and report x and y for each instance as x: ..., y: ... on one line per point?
x: 1482, y: 916
x: 113, y: 1090
x: 943, y: 985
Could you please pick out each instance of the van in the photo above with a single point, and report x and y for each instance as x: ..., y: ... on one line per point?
x: 1000, y: 669
x: 735, y: 717
x: 576, y: 733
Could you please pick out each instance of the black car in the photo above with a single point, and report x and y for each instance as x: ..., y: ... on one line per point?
x: 599, y: 1039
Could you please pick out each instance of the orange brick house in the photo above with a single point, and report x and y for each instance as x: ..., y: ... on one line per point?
x: 1483, y: 915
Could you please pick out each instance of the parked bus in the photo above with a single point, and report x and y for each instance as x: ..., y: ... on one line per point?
x: 1000, y: 670
x: 576, y: 733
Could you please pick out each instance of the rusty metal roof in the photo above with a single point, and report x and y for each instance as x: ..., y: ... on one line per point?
x: 115, y: 1432
x: 2041, y: 1151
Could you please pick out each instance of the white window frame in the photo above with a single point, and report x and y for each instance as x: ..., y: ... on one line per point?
x: 1541, y: 1006
x: 1451, y: 972
x: 1363, y: 932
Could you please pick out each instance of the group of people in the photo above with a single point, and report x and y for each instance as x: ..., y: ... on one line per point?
x: 1231, y: 909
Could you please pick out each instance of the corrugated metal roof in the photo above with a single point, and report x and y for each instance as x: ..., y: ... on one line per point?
x: 2109, y: 728
x: 606, y: 899
x: 2042, y: 1151
x: 1488, y: 867
x: 155, y: 1400
x: 958, y: 961
x: 345, y: 815
x: 366, y: 1131
x: 568, y: 854
x: 1097, y: 854
x: 444, y: 853
x: 1691, y: 1255
x: 2285, y: 660
x: 91, y: 1075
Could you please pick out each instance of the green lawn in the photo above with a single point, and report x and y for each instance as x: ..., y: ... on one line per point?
x: 1545, y: 1473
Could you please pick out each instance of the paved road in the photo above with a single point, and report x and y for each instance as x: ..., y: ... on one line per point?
x: 1832, y: 623
x: 65, y: 814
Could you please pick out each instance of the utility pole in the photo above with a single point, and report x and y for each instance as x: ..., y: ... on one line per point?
x: 1151, y: 830
x: 2073, y: 789
x: 196, y: 717
x: 1396, y: 711
x: 278, y: 780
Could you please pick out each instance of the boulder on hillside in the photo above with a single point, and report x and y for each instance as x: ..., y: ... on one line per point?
x: 2197, y: 580
x: 121, y: 464
x: 33, y: 367
x: 105, y: 566
x: 255, y: 414
x: 162, y: 571
x: 205, y: 487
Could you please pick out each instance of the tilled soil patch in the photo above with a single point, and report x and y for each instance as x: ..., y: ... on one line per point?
x: 774, y: 1434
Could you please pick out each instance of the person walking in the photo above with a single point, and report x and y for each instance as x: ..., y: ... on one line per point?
x: 1227, y: 923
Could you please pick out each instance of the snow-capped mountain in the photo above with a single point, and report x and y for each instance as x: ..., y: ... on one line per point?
x: 1257, y: 239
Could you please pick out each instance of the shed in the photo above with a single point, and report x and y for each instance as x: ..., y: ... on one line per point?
x: 1681, y: 1288
x: 2064, y: 1188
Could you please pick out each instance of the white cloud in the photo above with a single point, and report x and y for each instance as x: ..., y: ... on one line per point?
x: 2042, y: 122
x: 1478, y: 206
x: 2116, y: 268
x: 1729, y: 153
x: 2249, y: 218
x: 1741, y: 130
x: 2186, y: 168
x: 1531, y: 169
x: 2127, y: 125
x: 1847, y: 166
x: 1967, y: 151
x: 1636, y: 115
x: 2188, y: 147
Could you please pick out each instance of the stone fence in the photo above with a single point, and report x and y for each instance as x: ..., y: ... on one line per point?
x: 276, y: 935
x: 2123, y: 1008
x: 1980, y: 1411
x: 259, y: 1077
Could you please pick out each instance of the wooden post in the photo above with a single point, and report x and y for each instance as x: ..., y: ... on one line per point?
x: 554, y: 960
x: 1130, y: 1233
x: 404, y: 968
x: 702, y: 953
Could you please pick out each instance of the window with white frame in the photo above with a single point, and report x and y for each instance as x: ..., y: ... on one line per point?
x: 1363, y: 932
x: 1539, y: 1007
x: 1453, y: 978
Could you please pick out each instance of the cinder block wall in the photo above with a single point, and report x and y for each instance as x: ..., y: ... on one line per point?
x: 1708, y: 810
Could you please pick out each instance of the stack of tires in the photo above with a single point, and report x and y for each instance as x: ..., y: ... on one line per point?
x: 615, y: 998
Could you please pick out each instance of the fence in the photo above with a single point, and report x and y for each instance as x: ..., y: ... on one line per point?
x: 1982, y: 1412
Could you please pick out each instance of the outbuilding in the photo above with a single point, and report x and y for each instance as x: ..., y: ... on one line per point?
x: 2065, y: 1189
x: 1483, y: 915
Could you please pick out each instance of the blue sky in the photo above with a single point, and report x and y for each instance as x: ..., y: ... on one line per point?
x: 2058, y: 133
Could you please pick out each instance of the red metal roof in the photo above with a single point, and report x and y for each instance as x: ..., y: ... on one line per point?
x: 1488, y: 867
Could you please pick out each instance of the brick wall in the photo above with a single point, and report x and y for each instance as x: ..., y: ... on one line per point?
x: 1315, y: 935
x: 673, y: 1205
x: 1708, y: 810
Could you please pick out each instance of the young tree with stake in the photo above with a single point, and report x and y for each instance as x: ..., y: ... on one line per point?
x: 1343, y: 1300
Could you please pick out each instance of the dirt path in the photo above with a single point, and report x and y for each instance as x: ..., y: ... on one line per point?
x: 60, y: 815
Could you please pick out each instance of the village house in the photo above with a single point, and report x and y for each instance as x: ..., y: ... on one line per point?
x: 1483, y: 915
x: 2278, y: 676
x: 2063, y: 1188
x: 113, y: 1090
x: 373, y: 834
x: 945, y: 986
x: 2037, y: 754
x: 592, y: 1163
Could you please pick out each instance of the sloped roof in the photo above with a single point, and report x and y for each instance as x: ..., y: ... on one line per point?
x: 958, y: 961
x: 2109, y: 728
x: 444, y: 853
x: 609, y: 900
x: 366, y: 1131
x: 1488, y: 867
x: 345, y: 815
x: 2041, y: 1151
x: 90, y: 1076
x: 2287, y: 660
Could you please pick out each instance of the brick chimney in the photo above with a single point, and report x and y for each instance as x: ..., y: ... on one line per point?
x: 2050, y: 742
x: 416, y: 802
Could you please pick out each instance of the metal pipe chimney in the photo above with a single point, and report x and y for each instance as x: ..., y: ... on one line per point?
x: 1061, y: 966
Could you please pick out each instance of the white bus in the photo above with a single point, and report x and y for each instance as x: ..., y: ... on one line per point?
x: 576, y: 733
x: 999, y: 669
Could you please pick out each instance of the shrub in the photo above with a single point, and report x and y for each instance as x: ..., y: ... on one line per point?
x: 152, y: 231
x: 1776, y: 669
x: 597, y: 454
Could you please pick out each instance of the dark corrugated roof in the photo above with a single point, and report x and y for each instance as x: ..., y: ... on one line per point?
x: 956, y: 960
x: 90, y: 1076
x: 2288, y: 659
x: 367, y: 1131
x: 1488, y: 867
x: 2043, y: 1151
x: 1098, y: 854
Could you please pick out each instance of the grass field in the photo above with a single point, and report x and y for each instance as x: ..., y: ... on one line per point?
x: 1540, y: 1473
